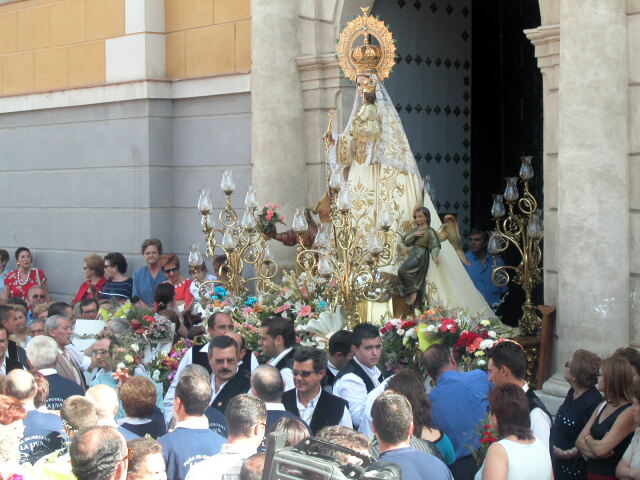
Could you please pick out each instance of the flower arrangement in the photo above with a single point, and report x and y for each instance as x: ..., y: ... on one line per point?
x: 163, y: 367
x: 400, y: 346
x: 126, y: 357
x: 469, y: 338
x: 216, y: 298
x: 152, y: 328
x: 268, y: 217
x: 298, y: 299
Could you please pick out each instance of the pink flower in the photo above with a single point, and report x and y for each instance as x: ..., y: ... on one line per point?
x: 275, y: 205
x: 247, y: 310
x: 281, y: 309
x: 282, y: 218
x: 269, y: 214
x: 305, y: 311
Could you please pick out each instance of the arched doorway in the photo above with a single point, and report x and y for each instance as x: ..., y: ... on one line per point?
x: 469, y: 93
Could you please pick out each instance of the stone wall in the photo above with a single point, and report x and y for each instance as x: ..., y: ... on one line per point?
x: 105, y: 176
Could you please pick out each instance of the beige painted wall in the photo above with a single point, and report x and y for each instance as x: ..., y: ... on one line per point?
x: 207, y: 37
x: 55, y: 44
x: 48, y: 45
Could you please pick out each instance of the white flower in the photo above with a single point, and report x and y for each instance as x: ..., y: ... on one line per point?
x: 307, y: 342
x: 449, y: 326
x: 128, y: 358
x: 400, y: 331
x: 395, y: 321
x: 120, y: 366
x: 481, y: 362
x: 479, y: 353
x: 485, y: 323
x: 430, y: 328
x: 411, y: 333
x: 492, y: 334
x: 156, y: 375
x: 135, y: 347
x: 486, y: 344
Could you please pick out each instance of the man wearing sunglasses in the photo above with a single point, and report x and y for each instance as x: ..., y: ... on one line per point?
x: 314, y: 405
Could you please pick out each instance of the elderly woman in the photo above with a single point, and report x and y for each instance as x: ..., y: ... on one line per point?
x: 119, y: 286
x: 517, y: 454
x: 581, y: 372
x: 171, y: 267
x: 608, y: 432
x: 95, y: 281
x: 139, y: 397
x: 18, y: 282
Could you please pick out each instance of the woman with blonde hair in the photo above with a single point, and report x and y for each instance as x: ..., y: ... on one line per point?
x: 608, y: 432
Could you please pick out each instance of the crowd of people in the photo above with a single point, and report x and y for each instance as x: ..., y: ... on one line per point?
x: 64, y: 414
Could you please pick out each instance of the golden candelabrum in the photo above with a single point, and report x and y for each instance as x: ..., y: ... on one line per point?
x: 241, y: 241
x: 342, y: 255
x: 520, y: 226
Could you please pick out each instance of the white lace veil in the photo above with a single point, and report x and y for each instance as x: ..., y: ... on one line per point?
x: 392, y: 148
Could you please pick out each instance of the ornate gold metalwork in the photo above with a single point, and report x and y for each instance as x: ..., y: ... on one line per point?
x: 366, y: 58
x: 346, y: 256
x: 522, y: 229
x: 242, y: 243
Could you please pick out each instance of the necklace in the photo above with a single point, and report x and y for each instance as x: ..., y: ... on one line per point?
x: 20, y: 282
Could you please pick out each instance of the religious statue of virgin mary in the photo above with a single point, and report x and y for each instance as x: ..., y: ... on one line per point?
x: 374, y: 154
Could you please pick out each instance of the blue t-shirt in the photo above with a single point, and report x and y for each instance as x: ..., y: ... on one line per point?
x: 37, y: 427
x: 118, y: 290
x: 217, y: 421
x: 417, y: 465
x: 60, y: 389
x: 459, y: 403
x: 144, y: 285
x: 185, y: 447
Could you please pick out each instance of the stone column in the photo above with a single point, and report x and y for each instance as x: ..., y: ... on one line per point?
x: 593, y: 179
x: 277, y: 125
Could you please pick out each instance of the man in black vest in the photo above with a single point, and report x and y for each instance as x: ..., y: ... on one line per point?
x: 508, y: 364
x: 360, y: 375
x: 218, y: 324
x: 15, y: 353
x: 227, y: 381
x: 6, y: 362
x: 317, y: 407
x: 277, y: 338
x: 340, y: 352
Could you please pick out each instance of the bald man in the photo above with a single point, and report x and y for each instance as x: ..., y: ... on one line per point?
x: 99, y: 452
x: 21, y: 385
x: 106, y: 402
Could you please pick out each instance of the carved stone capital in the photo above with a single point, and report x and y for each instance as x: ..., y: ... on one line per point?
x: 546, y: 40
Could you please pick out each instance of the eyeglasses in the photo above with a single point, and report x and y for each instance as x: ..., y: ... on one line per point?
x: 171, y: 270
x: 38, y: 296
x: 302, y: 373
x: 95, y: 353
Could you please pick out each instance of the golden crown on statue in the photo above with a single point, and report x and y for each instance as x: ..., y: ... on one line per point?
x: 366, y: 58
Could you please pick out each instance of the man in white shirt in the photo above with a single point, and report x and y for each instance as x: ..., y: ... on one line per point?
x: 315, y: 406
x: 246, y: 420
x: 508, y: 364
x: 360, y: 375
x: 340, y: 352
x: 277, y: 338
